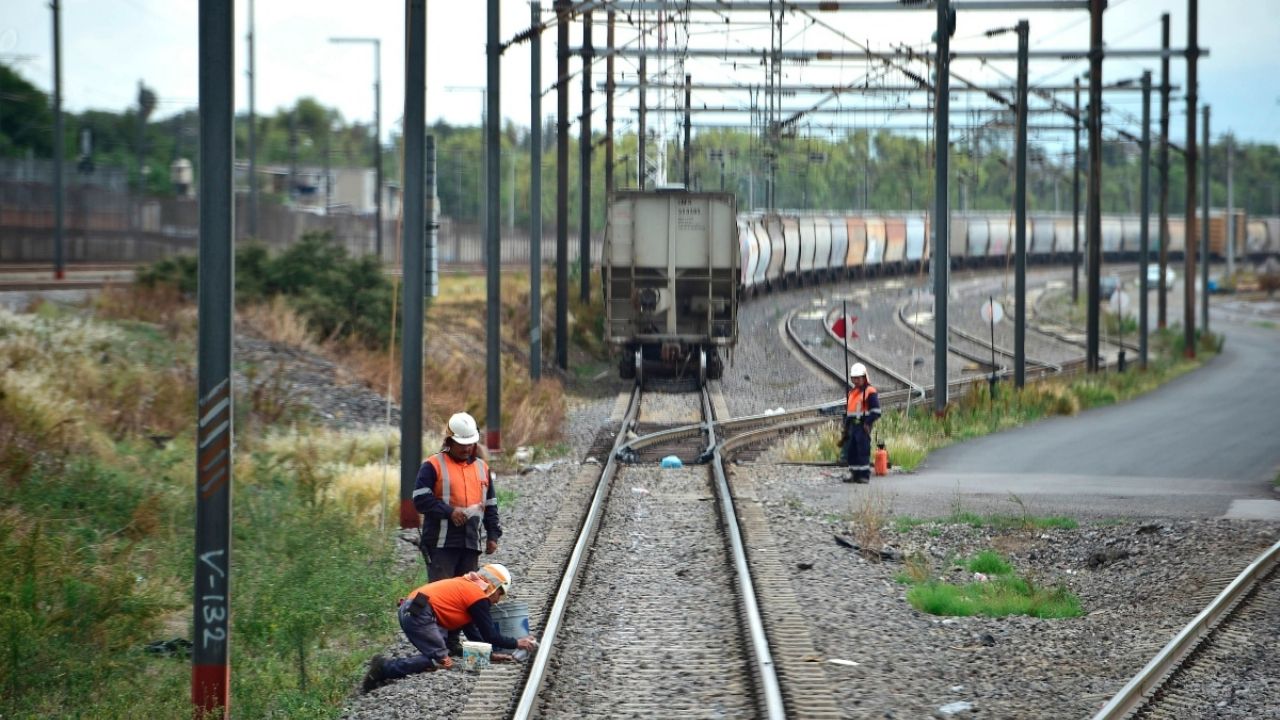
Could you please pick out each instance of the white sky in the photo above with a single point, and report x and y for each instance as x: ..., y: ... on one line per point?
x: 109, y: 45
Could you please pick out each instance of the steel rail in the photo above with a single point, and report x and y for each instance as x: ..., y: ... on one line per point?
x: 1137, y: 691
x: 766, y: 670
x: 865, y: 359
x: 538, y: 669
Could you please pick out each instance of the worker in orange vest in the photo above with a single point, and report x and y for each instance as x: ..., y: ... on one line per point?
x: 862, y: 410
x: 430, y: 611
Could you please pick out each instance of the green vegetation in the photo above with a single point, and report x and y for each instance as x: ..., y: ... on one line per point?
x: 995, y: 591
x: 903, y: 523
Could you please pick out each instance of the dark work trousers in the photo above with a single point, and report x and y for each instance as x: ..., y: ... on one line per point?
x: 426, y: 636
x: 857, y: 451
x: 445, y: 563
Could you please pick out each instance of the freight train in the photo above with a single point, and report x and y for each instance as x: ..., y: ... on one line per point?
x: 784, y: 249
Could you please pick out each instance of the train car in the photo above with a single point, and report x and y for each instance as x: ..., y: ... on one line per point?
x: 979, y: 239
x: 856, y: 258
x: 1064, y: 239
x: 875, y: 245
x: 895, y: 247
x: 839, y: 247
x: 822, y: 247
x: 958, y: 240
x: 671, y: 282
x: 776, y: 273
x: 1112, y: 234
x: 791, y: 236
x: 765, y: 247
x: 808, y: 244
x: 1040, y: 238
x: 1177, y: 237
x: 1000, y: 233
x: 916, y: 242
x: 1257, y: 239
x: 749, y: 251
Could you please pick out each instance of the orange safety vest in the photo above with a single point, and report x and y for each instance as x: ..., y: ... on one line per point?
x: 856, y: 406
x: 460, y: 484
x: 450, y: 600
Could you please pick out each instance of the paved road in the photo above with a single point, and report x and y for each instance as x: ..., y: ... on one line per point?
x: 1204, y: 445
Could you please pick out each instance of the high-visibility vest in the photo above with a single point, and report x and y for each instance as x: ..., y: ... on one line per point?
x: 460, y: 484
x: 450, y: 600
x: 859, y: 399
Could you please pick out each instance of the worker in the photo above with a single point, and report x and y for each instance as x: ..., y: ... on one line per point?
x: 862, y: 410
x: 455, y: 494
x: 449, y: 605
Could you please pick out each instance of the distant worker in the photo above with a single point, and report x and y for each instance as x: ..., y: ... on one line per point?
x: 447, y: 606
x: 455, y: 495
x: 862, y: 410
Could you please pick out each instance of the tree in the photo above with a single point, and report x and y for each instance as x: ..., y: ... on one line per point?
x: 26, y: 121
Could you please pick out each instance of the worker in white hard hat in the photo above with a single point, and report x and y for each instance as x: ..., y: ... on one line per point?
x: 447, y: 606
x: 862, y: 410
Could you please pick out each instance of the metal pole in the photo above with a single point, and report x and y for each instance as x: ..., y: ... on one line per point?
x: 1231, y: 207
x: 414, y: 215
x: 1162, y: 297
x: 253, y: 135
x: 562, y: 184
x: 1189, y: 255
x: 941, y: 217
x: 210, y: 661
x: 535, y: 192
x: 1206, y: 201
x: 1020, y: 200
x: 688, y: 128
x: 1075, y: 205
x: 584, y: 167
x: 1093, y: 202
x: 608, y: 110
x: 58, y: 150
x: 493, y: 178
x: 640, y: 137
x: 377, y: 145
x: 1143, y: 219
x: 431, y: 261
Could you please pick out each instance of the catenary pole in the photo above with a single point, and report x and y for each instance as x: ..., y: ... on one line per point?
x: 493, y: 229
x: 608, y: 108
x: 1144, y: 211
x: 535, y: 192
x: 59, y: 271
x: 642, y: 131
x: 562, y: 183
x: 377, y: 147
x: 1206, y: 201
x: 1093, y: 203
x: 1162, y: 297
x: 253, y: 133
x: 688, y: 130
x: 1189, y: 254
x: 414, y: 216
x: 210, y: 657
x: 1231, y: 206
x: 1075, y: 203
x: 1020, y: 200
x: 584, y: 166
x: 942, y: 214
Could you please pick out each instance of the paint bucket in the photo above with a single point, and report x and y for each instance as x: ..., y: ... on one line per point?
x: 510, y: 618
x: 475, y: 655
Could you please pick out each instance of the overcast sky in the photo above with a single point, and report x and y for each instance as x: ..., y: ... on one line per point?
x: 109, y: 45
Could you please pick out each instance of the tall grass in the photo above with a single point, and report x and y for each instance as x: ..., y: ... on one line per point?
x: 1002, y: 593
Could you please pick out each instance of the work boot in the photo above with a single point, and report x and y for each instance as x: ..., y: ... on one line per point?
x: 454, y: 643
x: 376, y: 674
x: 861, y: 479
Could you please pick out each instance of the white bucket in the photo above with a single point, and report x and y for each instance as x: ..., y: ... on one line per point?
x: 475, y: 655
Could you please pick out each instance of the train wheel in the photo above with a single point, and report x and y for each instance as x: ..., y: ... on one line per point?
x: 639, y: 374
x: 715, y: 366
x: 626, y: 367
x: 702, y: 367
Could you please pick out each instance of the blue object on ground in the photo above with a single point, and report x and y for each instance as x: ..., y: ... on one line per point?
x: 671, y: 461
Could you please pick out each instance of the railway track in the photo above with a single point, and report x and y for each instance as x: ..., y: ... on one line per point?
x: 1195, y: 674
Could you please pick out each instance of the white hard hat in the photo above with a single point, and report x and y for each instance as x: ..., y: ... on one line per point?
x: 463, y: 428
x: 498, y: 576
x: 858, y: 370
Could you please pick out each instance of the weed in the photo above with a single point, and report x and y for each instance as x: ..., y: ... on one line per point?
x: 813, y: 445
x: 917, y: 568
x: 506, y: 499
x: 1003, y: 593
x: 870, y: 513
x: 989, y: 562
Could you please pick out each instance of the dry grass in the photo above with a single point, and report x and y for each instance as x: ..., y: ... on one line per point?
x: 278, y: 322
x: 870, y: 514
x: 812, y: 445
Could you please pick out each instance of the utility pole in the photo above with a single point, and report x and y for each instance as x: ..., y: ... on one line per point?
x: 942, y: 214
x: 1189, y: 255
x: 493, y: 229
x: 1020, y: 205
x: 584, y: 169
x: 253, y: 136
x: 1162, y: 297
x: 215, y: 399
x: 1075, y: 205
x: 535, y: 192
x: 641, y: 139
x: 688, y: 128
x: 59, y: 272
x: 411, y: 233
x: 1093, y: 203
x: 1144, y: 251
x: 1206, y: 203
x: 608, y: 110
x: 1231, y: 207
x: 562, y: 183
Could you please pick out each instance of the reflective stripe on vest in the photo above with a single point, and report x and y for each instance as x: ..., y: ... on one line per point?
x: 444, y: 487
x: 855, y: 405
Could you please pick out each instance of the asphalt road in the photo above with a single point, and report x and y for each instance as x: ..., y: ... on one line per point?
x: 1204, y: 445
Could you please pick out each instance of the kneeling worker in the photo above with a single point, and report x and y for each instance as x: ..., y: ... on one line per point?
x: 449, y: 605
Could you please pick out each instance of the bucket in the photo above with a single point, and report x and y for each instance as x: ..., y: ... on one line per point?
x: 511, y: 618
x: 475, y: 655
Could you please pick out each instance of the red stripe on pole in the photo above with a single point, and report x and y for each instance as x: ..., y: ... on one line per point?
x: 409, y: 517
x: 209, y: 690
x: 493, y: 439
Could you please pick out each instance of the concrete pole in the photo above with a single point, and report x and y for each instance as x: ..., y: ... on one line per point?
x: 535, y: 192
x: 942, y: 214
x: 1093, y: 202
x: 414, y: 215
x: 643, y: 131
x: 608, y: 109
x: 59, y: 272
x: 688, y: 130
x: 1231, y: 207
x: 1075, y: 205
x: 1020, y: 211
x: 1189, y: 255
x: 1143, y: 219
x: 562, y: 183
x: 584, y: 166
x: 1206, y: 201
x: 215, y: 401
x: 1162, y: 297
x: 377, y: 146
x: 253, y: 135
x: 493, y: 228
